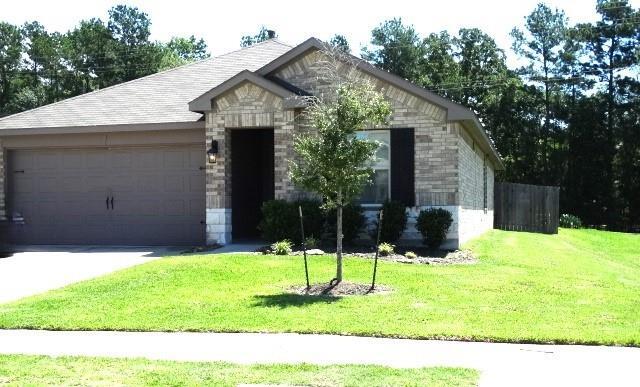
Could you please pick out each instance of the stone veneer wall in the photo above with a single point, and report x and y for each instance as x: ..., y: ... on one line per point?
x: 475, y: 219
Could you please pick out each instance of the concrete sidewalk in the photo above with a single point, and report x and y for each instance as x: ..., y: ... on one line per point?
x: 500, y: 364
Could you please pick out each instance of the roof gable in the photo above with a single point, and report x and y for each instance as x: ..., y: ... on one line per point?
x: 203, y: 103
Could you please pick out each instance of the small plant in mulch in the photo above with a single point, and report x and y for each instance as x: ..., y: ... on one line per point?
x: 311, y: 242
x: 341, y: 289
x: 410, y: 255
x: 283, y: 247
x: 385, y: 249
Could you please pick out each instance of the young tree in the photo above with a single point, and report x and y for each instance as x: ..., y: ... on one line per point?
x: 333, y: 160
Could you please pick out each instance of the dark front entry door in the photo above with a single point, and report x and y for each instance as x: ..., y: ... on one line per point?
x: 251, y: 178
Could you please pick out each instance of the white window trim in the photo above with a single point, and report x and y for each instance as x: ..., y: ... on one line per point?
x: 378, y: 167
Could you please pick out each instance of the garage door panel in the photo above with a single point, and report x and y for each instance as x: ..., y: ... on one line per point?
x: 122, y: 183
x: 121, y: 160
x: 175, y: 160
x: 23, y: 183
x: 175, y: 208
x: 196, y: 184
x: 96, y: 184
x: 72, y: 184
x: 48, y: 160
x: 48, y: 184
x: 72, y: 161
x: 174, y: 183
x: 150, y: 184
x: 146, y: 159
x: 96, y: 160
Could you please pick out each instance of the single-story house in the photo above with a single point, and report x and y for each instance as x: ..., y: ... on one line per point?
x: 187, y: 156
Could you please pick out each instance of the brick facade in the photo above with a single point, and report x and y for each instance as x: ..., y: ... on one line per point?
x: 474, y: 217
x: 448, y: 171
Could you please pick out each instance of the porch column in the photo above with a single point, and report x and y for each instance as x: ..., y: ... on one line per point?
x: 218, y: 183
x: 283, y: 129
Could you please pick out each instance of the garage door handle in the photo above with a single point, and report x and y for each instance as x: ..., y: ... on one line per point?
x: 112, y: 202
x: 107, y: 202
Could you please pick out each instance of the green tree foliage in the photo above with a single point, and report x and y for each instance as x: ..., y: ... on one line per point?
x: 397, y: 48
x: 261, y: 36
x: 38, y: 67
x: 10, y: 63
x: 333, y: 160
x: 341, y: 43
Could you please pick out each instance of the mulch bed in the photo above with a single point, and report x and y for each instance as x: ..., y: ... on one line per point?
x: 458, y: 257
x: 341, y: 289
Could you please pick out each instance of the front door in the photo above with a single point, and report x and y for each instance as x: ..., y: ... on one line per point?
x: 251, y: 179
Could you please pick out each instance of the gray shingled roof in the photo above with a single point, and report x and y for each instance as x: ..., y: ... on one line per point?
x: 157, y: 98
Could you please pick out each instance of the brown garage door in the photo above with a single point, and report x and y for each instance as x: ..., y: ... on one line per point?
x: 65, y: 196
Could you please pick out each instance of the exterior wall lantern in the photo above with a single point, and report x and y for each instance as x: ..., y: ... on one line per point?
x: 212, y: 153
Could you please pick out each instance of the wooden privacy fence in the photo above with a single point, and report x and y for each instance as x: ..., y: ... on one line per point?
x: 524, y: 207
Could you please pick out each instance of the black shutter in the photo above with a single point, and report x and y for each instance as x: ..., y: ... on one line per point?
x: 402, y: 167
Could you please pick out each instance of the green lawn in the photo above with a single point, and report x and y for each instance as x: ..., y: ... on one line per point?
x: 22, y: 370
x: 580, y: 286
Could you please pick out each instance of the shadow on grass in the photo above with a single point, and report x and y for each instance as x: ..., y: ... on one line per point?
x: 286, y: 300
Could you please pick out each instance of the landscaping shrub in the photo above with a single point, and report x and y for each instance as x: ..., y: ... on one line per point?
x: 385, y: 249
x: 281, y: 220
x: 283, y: 247
x: 278, y: 221
x: 433, y: 224
x: 352, y: 222
x: 570, y: 221
x: 394, y: 221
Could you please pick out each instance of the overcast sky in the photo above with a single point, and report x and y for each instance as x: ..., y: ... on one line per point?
x: 222, y: 23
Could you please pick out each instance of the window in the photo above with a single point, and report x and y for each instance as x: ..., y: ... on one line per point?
x: 378, y: 191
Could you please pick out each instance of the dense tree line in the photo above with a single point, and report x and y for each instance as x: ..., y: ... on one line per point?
x: 570, y: 116
x: 38, y: 67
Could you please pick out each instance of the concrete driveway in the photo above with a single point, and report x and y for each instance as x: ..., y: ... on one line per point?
x: 34, y: 270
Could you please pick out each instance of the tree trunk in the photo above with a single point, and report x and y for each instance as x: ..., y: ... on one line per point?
x: 339, y: 238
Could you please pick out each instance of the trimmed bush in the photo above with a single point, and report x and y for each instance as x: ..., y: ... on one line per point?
x: 570, y: 221
x: 433, y: 224
x: 283, y: 247
x: 352, y: 222
x: 394, y: 221
x: 281, y: 220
